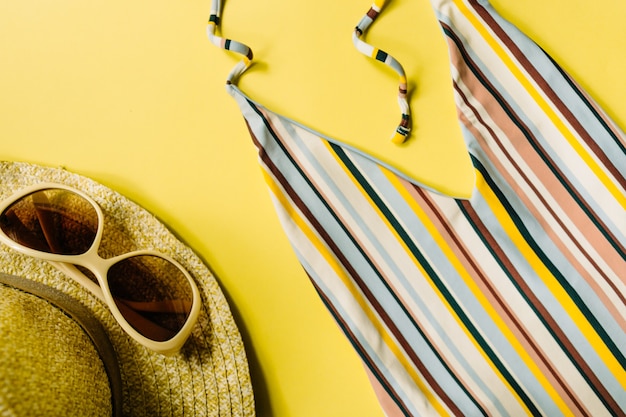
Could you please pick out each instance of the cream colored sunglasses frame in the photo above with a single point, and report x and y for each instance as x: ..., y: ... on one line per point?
x: 99, y: 267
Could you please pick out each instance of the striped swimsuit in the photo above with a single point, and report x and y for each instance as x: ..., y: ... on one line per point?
x: 511, y: 302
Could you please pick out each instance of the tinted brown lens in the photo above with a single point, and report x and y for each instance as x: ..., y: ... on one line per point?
x: 53, y: 220
x: 153, y: 294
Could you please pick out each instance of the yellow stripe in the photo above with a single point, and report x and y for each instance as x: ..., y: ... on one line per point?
x: 398, y: 352
x: 379, y: 3
x: 294, y: 214
x: 544, y: 105
x: 552, y: 284
x: 393, y: 179
x: 480, y: 297
x: 389, y: 341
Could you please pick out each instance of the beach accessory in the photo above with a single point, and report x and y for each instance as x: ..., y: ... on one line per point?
x: 55, y: 357
x: 511, y: 302
x: 151, y: 295
x: 404, y: 127
x: 209, y: 375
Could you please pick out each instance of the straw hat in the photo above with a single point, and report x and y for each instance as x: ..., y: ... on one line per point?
x: 209, y: 376
x: 55, y: 357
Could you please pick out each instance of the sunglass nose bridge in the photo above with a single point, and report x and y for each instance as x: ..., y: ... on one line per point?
x: 152, y: 296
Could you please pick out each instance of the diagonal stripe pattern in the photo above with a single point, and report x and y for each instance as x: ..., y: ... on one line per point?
x: 511, y: 302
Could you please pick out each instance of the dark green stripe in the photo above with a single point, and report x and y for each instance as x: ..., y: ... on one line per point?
x: 358, y: 347
x: 381, y: 55
x: 337, y: 222
x: 542, y: 256
x: 588, y: 105
x: 523, y: 129
x: 433, y: 276
x: 565, y: 284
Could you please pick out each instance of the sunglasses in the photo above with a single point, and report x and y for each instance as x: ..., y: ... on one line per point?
x: 152, y: 297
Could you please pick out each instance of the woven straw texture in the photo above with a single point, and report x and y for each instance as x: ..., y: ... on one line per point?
x: 48, y: 365
x: 210, y: 375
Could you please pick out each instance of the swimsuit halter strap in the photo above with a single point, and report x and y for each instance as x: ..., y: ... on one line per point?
x: 228, y: 44
x: 403, y: 129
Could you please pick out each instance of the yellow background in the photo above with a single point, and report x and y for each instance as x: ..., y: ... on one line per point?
x: 131, y: 94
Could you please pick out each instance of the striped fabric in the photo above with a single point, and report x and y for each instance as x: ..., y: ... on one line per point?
x: 511, y: 302
x: 402, y: 131
x: 227, y: 44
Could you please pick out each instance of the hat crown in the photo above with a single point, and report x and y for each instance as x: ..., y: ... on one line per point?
x: 51, y: 354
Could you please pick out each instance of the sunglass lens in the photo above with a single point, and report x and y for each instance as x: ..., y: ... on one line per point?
x: 52, y: 220
x: 153, y: 294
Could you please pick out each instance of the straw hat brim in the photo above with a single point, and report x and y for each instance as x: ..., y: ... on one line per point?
x: 210, y: 375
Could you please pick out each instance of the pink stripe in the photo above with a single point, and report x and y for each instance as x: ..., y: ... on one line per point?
x: 558, y: 192
x: 387, y: 403
x: 496, y: 299
x: 555, y: 236
x: 390, y: 327
x: 557, y: 102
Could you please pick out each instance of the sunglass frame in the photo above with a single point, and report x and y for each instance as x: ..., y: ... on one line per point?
x: 99, y: 267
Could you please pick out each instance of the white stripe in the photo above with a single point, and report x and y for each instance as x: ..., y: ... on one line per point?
x: 517, y: 305
x: 561, y: 213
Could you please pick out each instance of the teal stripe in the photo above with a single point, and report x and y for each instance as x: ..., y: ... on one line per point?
x: 318, y: 205
x: 535, y: 234
x: 562, y: 318
x: 541, y: 144
x: 432, y: 275
x: 369, y: 354
x: 369, y: 277
x: 565, y: 284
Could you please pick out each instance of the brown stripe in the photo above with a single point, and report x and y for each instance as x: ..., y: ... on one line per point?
x: 545, y: 86
x: 372, y: 14
x: 542, y: 312
x: 591, y: 233
x: 371, y: 298
x: 553, y: 180
x: 477, y: 273
x: 561, y: 336
x: 365, y: 358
